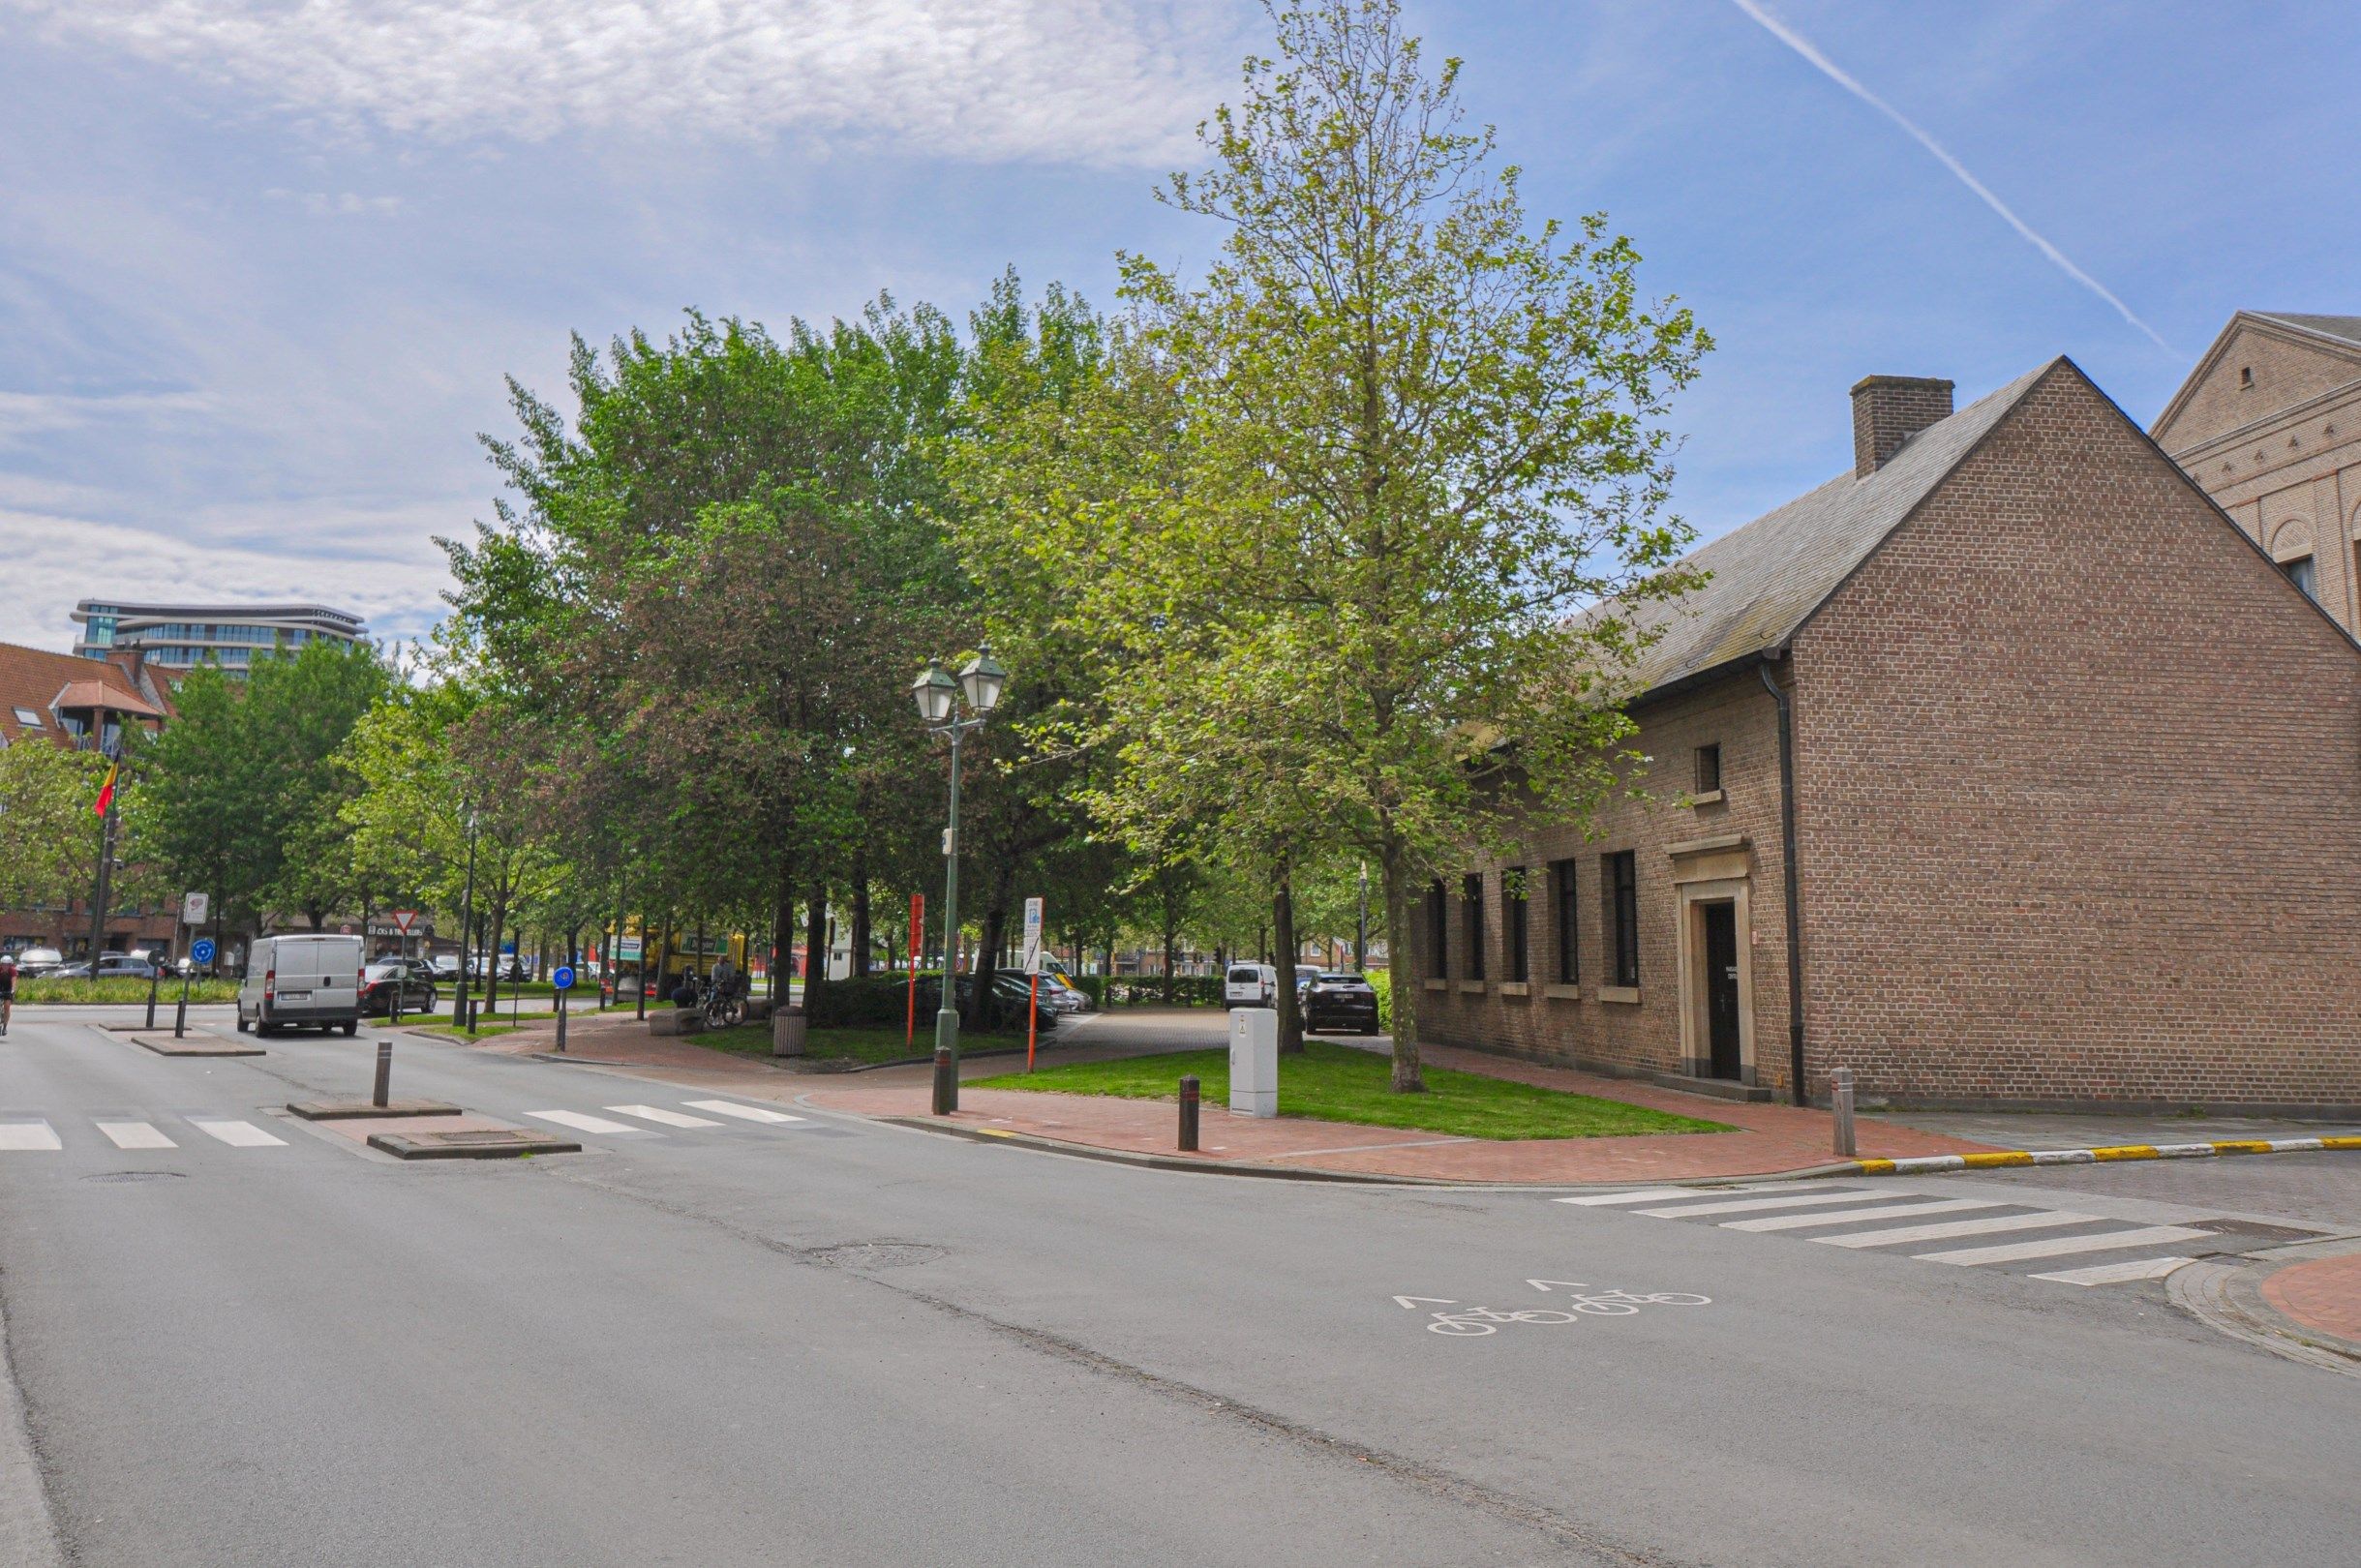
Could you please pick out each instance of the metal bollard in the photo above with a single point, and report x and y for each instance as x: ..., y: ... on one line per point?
x: 1188, y: 1114
x: 561, y: 1023
x: 1840, y: 1100
x: 180, y: 1016
x: 152, y: 980
x: 384, y: 1072
x: 946, y: 1083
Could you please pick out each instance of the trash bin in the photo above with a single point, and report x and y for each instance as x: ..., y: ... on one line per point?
x: 787, y: 1031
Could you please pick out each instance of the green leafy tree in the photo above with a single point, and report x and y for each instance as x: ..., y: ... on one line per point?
x: 1412, y: 482
x: 49, y: 836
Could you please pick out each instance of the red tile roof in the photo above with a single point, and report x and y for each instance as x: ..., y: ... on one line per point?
x: 41, y: 681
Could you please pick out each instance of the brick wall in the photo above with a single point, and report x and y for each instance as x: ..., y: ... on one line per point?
x: 1583, y: 1030
x: 2079, y: 786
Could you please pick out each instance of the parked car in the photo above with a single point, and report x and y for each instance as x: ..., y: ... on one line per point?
x: 1069, y: 997
x: 1251, y: 985
x: 445, y: 966
x: 301, y: 983
x: 407, y: 977
x: 1337, y: 1001
x: 37, y: 961
x: 112, y: 966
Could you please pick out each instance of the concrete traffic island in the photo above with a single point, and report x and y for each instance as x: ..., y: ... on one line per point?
x: 469, y: 1144
x: 162, y: 1044
x: 332, y: 1110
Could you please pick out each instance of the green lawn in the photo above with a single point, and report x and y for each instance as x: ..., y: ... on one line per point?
x: 1336, y: 1083
x: 859, y: 1044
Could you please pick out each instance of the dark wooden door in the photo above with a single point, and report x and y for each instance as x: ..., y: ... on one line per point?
x: 1721, y: 990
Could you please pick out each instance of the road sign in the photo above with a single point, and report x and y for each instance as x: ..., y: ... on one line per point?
x: 201, y: 950
x: 403, y: 919
x: 1033, y: 936
x: 194, y: 908
x: 562, y: 977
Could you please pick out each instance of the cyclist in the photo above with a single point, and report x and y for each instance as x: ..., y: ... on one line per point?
x: 725, y: 976
x: 8, y: 990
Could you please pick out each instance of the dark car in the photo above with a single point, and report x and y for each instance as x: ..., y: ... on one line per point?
x: 1009, y: 992
x: 1336, y: 1002
x: 409, y: 977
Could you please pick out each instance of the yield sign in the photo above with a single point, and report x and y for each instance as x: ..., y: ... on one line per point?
x: 403, y: 919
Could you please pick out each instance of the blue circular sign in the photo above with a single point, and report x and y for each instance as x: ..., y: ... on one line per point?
x: 562, y: 977
x: 201, y: 950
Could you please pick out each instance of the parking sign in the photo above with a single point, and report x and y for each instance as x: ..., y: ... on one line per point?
x: 1033, y: 936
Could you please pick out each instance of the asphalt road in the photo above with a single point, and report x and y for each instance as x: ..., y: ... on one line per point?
x: 828, y: 1342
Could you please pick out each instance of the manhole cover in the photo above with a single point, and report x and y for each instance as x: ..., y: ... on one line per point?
x: 877, y: 1255
x: 135, y: 1176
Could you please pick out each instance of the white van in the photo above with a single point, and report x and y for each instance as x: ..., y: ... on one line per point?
x: 1251, y: 985
x: 302, y: 982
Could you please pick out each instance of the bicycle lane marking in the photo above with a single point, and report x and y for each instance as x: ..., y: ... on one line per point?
x: 1580, y: 1301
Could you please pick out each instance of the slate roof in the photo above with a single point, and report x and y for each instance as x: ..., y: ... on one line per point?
x: 1770, y: 574
x: 2347, y: 328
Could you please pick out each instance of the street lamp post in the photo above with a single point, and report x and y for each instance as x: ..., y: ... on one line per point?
x: 467, y: 916
x: 938, y: 696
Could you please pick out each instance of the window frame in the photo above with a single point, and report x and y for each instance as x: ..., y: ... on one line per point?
x: 1438, y: 933
x: 1515, y: 926
x: 1566, y: 889
x: 1619, y: 902
x: 1709, y: 768
x: 1472, y: 921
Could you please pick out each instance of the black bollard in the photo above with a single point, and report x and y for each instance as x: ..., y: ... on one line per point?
x: 561, y: 1023
x: 384, y: 1072
x: 154, y: 976
x: 1188, y: 1114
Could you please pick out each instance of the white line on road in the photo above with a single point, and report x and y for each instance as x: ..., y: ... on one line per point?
x: 582, y: 1122
x: 2044, y: 1221
x: 2139, y: 1268
x: 1797, y: 1200
x: 136, y: 1135
x: 27, y: 1137
x: 1647, y: 1194
x: 657, y: 1113
x: 239, y: 1135
x: 2060, y: 1245
x: 731, y: 1107
x: 1851, y: 1216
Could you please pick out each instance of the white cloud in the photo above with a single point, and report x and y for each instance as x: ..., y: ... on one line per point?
x: 338, y: 204
x: 1093, y: 81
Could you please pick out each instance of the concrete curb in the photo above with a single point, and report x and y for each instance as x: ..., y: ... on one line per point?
x: 28, y: 1530
x: 2225, y: 1295
x: 1930, y: 1165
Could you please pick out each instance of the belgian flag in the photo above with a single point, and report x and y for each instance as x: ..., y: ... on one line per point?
x: 107, y: 792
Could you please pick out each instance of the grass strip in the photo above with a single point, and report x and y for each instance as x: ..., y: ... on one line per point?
x: 1336, y: 1083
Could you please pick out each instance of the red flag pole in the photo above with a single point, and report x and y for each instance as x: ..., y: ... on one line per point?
x: 918, y: 917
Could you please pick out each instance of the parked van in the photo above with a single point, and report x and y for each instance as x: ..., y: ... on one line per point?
x: 302, y: 982
x: 1251, y: 985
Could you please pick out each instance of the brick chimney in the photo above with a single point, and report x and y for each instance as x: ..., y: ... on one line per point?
x: 1887, y: 410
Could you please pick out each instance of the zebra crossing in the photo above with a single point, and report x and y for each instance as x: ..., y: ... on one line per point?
x: 37, y: 1135
x: 1993, y: 1231
x: 691, y: 1115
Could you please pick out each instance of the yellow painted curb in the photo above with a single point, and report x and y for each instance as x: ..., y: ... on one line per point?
x: 2128, y: 1151
x: 1985, y: 1161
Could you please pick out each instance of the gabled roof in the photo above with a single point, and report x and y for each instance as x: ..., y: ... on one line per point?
x: 104, y: 695
x: 2346, y: 327
x: 41, y: 681
x: 1770, y: 575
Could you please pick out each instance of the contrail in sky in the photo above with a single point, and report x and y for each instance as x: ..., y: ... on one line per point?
x: 1836, y: 74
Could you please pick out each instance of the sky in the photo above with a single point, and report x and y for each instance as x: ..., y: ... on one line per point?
x: 266, y: 265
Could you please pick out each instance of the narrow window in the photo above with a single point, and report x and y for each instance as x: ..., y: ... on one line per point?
x: 2301, y: 572
x: 1471, y: 910
x: 1513, y: 924
x: 1438, y: 933
x: 1709, y: 768
x: 2246, y: 378
x: 1621, y: 875
x: 1569, y: 953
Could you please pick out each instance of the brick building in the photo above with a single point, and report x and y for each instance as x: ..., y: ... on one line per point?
x: 2270, y: 423
x: 2067, y: 773
x: 63, y: 699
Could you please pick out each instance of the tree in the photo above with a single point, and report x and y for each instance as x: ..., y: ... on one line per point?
x: 1414, y: 482
x: 200, y: 821
x: 48, y: 838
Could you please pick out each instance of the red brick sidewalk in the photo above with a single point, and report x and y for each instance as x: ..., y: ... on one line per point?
x: 1768, y: 1140
x: 2324, y: 1295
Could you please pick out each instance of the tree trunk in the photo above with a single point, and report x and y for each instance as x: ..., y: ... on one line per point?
x: 782, y: 927
x: 861, y: 914
x: 1282, y: 923
x: 1401, y: 962
x: 492, y: 958
x: 986, y: 1005
x: 815, y: 943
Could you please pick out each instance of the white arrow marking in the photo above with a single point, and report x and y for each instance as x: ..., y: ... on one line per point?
x: 1415, y: 1300
x: 1544, y: 1284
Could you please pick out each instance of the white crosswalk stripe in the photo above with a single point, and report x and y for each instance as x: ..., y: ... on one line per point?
x: 584, y: 1122
x: 238, y: 1134
x: 137, y: 1135
x: 750, y: 1113
x: 28, y: 1137
x: 1881, y: 1217
x: 668, y: 1118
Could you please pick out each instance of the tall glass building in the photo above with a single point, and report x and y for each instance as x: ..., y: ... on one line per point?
x: 184, y: 636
